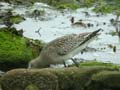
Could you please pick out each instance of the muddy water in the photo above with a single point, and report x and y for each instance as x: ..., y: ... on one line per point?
x: 57, y: 24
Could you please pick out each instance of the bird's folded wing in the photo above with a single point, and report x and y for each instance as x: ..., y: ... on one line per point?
x: 68, y: 44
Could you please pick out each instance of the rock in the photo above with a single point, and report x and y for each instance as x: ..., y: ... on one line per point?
x: 50, y: 78
x: 105, y: 80
x: 14, y: 51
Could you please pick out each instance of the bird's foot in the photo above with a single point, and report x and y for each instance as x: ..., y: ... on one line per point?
x: 75, y: 62
x: 64, y: 64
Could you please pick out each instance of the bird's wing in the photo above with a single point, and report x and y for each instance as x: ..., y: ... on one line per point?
x: 68, y: 43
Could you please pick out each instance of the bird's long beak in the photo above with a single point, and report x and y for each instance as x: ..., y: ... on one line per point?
x: 90, y: 36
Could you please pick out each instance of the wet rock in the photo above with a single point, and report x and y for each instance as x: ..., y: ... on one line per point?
x: 112, y: 21
x: 113, y: 47
x: 8, y: 19
x: 72, y: 19
x: 105, y: 80
x: 80, y: 24
x: 104, y: 23
x: 26, y: 79
x: 49, y: 79
x: 90, y: 25
x: 14, y: 51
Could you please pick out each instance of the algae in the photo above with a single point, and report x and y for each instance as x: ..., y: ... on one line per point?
x: 105, y: 80
x: 98, y: 64
x: 72, y: 78
x: 14, y: 49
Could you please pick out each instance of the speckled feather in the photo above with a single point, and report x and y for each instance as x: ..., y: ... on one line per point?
x: 66, y: 44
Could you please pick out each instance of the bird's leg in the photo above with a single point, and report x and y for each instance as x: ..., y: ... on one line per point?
x: 64, y: 64
x: 74, y: 61
x: 82, y: 51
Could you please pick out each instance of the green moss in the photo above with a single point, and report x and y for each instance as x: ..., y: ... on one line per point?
x: 31, y: 87
x: 67, y: 6
x: 104, y: 9
x: 62, y: 4
x: 22, y: 79
x: 75, y: 78
x: 14, y: 45
x: 13, y: 19
x: 49, y: 79
x: 0, y: 87
x: 105, y: 80
x: 0, y: 83
x: 72, y: 4
x: 108, y: 78
x: 113, y: 33
x: 14, y: 51
x: 87, y: 3
x: 16, y: 19
x: 1, y: 20
x: 99, y: 64
x: 69, y: 79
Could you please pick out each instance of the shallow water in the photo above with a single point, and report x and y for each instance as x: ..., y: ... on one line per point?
x: 58, y: 24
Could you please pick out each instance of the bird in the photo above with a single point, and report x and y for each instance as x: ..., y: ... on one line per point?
x: 62, y: 49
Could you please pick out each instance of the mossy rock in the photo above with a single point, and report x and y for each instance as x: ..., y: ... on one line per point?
x: 99, y: 64
x: 105, y: 80
x: 72, y: 4
x: 31, y: 87
x: 56, y: 2
x: 76, y: 78
x: 49, y: 79
x: 24, y: 79
x: 14, y: 51
x: 69, y: 78
x: 16, y: 19
x: 20, y: 2
x: 94, y: 63
x: 62, y: 4
x: 68, y: 6
x: 0, y: 87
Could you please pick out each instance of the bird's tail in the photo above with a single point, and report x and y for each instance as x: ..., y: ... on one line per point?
x: 91, y: 35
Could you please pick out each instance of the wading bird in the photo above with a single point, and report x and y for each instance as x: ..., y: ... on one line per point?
x: 62, y: 49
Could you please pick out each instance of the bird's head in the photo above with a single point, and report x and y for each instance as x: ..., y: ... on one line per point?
x: 37, y: 63
x: 31, y: 64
